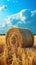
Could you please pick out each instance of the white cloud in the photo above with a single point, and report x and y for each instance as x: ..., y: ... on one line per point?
x: 3, y: 25
x: 25, y: 18
x: 7, y: 22
x: 18, y: 17
x: 2, y: 7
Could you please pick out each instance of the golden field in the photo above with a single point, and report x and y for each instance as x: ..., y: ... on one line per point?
x: 34, y: 39
x: 2, y: 39
x: 23, y: 55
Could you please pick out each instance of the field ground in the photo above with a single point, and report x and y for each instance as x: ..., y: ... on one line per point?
x: 24, y: 57
x: 2, y: 39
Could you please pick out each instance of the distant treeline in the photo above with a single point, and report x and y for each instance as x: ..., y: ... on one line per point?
x: 2, y: 34
x: 5, y: 34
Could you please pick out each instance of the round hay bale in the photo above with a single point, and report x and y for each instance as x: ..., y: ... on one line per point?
x: 19, y: 37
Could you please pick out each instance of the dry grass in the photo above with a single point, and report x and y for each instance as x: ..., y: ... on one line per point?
x: 2, y: 38
x: 22, y: 54
x: 34, y: 39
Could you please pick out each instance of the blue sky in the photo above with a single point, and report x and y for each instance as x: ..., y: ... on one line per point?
x: 17, y: 13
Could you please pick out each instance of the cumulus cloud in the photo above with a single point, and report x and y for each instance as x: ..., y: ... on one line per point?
x: 16, y: 18
x: 25, y: 18
x: 2, y: 7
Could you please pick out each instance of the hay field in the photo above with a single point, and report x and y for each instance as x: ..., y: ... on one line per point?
x: 23, y: 56
x: 2, y: 39
x: 34, y: 39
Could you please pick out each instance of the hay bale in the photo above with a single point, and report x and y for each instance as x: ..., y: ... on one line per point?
x: 19, y: 37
